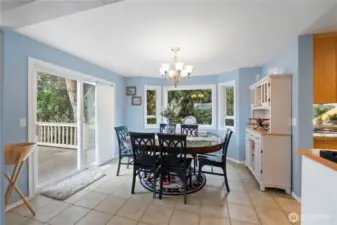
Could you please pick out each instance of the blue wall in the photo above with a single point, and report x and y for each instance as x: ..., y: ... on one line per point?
x: 297, y: 58
x: 247, y: 77
x: 17, y: 49
x: 2, y: 167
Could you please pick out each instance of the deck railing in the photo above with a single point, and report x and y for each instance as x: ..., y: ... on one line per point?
x: 57, y: 134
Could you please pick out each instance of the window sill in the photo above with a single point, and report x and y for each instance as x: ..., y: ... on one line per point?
x: 225, y: 128
x: 201, y: 127
x: 155, y: 126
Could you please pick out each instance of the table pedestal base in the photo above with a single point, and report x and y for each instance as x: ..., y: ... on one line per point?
x: 173, y: 186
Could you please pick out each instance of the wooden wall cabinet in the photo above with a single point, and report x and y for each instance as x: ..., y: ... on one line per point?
x: 325, y: 68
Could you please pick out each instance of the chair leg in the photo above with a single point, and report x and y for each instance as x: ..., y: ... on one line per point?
x: 161, y: 183
x: 119, y: 165
x: 225, y: 175
x: 199, y: 171
x: 128, y: 162
x: 169, y: 177
x: 185, y: 187
x: 154, y: 182
x: 133, y: 180
x: 195, y: 163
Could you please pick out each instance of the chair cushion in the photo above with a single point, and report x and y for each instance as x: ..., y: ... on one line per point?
x: 126, y: 152
x: 210, y: 158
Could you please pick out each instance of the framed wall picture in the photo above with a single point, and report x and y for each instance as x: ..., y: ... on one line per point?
x: 131, y: 91
x: 136, y: 100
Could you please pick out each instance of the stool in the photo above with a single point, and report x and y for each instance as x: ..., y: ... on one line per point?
x: 16, y: 154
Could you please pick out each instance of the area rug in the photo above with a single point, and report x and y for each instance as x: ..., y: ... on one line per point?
x: 71, y: 185
x: 175, y: 185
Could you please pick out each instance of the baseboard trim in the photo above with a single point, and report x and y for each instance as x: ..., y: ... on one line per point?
x: 16, y: 204
x: 105, y: 162
x: 295, y: 197
x: 235, y: 161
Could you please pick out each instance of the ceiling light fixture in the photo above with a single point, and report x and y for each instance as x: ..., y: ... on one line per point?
x: 176, y: 72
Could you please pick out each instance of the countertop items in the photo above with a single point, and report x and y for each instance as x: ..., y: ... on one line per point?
x: 314, y: 155
x: 263, y: 132
x: 325, y: 136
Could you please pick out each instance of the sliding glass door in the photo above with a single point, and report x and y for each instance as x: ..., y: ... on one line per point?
x: 71, y: 118
x: 57, y: 116
x: 89, y: 123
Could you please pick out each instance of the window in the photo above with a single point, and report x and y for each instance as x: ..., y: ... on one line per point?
x: 193, y: 104
x: 152, y: 106
x: 324, y: 114
x: 227, y: 105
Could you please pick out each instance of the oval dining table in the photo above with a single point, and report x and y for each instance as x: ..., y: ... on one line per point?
x: 205, y: 143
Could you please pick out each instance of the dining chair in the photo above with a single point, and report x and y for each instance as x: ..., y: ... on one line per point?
x: 163, y: 128
x: 124, y: 145
x: 173, y: 160
x: 216, y: 160
x: 145, y: 158
x: 189, y: 129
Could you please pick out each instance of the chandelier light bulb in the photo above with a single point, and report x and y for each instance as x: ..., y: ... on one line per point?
x: 189, y: 68
x: 171, y: 73
x: 162, y: 71
x: 179, y: 66
x: 165, y: 67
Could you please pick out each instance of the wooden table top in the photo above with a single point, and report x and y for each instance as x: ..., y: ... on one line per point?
x: 314, y: 155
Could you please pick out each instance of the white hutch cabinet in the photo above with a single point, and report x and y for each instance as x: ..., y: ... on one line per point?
x: 268, y: 152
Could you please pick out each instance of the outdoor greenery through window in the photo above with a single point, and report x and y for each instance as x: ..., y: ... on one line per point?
x: 57, y: 99
x: 195, y: 106
x: 325, y: 113
x: 226, y: 103
x: 151, y: 116
x: 229, y: 109
x: 152, y: 106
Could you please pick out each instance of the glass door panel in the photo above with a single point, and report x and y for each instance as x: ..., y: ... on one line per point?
x: 57, y: 144
x: 89, y: 123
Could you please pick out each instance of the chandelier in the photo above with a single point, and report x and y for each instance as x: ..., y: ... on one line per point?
x: 176, y: 72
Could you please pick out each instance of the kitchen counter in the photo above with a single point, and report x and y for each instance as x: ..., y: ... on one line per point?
x: 314, y: 155
x: 319, y: 185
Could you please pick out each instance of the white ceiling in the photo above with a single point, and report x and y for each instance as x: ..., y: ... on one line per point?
x: 20, y: 13
x: 134, y: 37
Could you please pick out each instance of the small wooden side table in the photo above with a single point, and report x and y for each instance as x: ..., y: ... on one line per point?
x: 16, y: 154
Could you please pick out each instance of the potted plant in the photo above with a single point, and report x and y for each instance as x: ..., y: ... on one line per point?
x: 171, y: 111
x: 333, y: 118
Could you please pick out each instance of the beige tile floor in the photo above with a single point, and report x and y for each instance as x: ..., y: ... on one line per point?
x: 109, y: 202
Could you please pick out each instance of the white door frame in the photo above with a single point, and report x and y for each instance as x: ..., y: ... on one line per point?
x: 34, y: 66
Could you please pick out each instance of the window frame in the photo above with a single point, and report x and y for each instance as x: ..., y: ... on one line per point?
x: 194, y: 87
x: 158, y: 106
x: 222, y: 105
